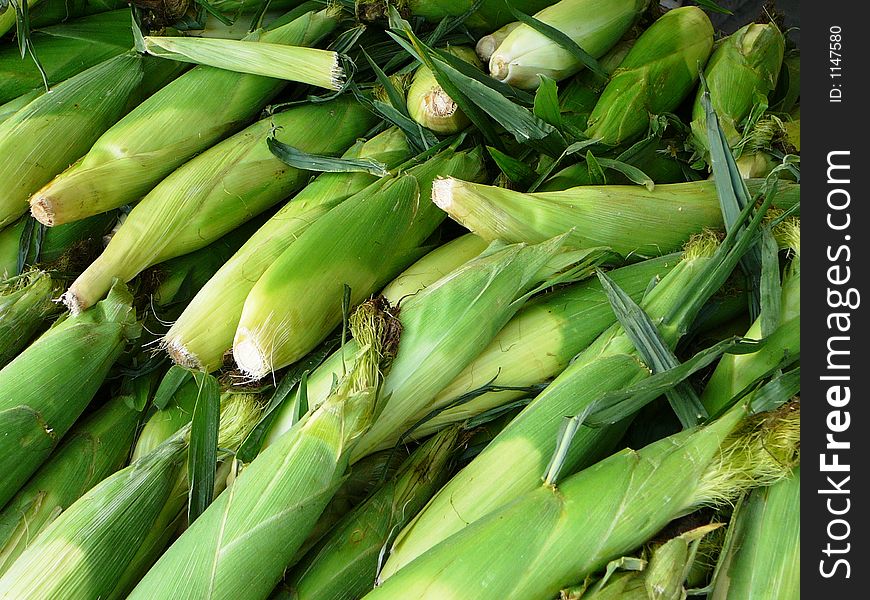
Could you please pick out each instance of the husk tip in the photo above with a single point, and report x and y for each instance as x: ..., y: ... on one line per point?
x: 442, y: 192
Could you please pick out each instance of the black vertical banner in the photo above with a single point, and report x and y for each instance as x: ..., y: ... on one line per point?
x: 835, y: 363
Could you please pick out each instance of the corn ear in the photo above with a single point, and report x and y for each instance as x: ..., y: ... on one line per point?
x: 575, y: 534
x: 743, y: 69
x: 25, y: 304
x: 189, y: 115
x: 313, y: 66
x: 223, y: 187
x: 63, y: 370
x: 201, y: 343
x: 735, y: 373
x: 430, y: 106
x: 446, y: 325
x: 763, y: 562
x: 107, y: 535
x: 345, y: 564
x: 363, y: 243
x: 50, y: 132
x: 257, y: 524
x: 629, y: 219
x: 486, y: 45
x: 93, y: 450
x: 64, y: 50
x: 539, y: 342
x: 514, y: 461
x: 595, y: 25
x: 659, y: 71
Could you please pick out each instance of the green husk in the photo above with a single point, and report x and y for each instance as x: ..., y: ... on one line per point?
x: 189, y: 115
x: 25, y: 304
x: 93, y: 449
x: 742, y: 72
x: 99, y: 546
x: 448, y: 324
x: 165, y: 422
x: 595, y: 25
x: 629, y: 219
x: 181, y: 278
x: 363, y: 243
x: 13, y: 106
x: 364, y: 478
x: 223, y: 187
x: 201, y: 343
x: 49, y: 12
x: 63, y: 251
x: 46, y: 387
x: 662, y: 577
x: 515, y: 461
x: 488, y: 16
x: 654, y: 160
x: 49, y: 133
x: 257, y: 524
x: 763, y: 560
x: 575, y: 532
x: 344, y: 565
x: 428, y: 103
x: 659, y: 71
x: 539, y: 342
x: 734, y: 374
x: 313, y: 66
x: 432, y: 267
x: 64, y: 50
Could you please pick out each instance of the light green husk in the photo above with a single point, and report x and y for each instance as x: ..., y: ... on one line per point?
x: 364, y: 478
x: 200, y: 342
x: 362, y: 243
x: 313, y: 66
x: 179, y: 279
x: 25, y: 304
x: 629, y: 219
x: 101, y: 544
x: 662, y: 577
x: 490, y: 14
x: 344, y: 565
x: 659, y: 71
x: 448, y: 324
x: 258, y: 523
x: 763, y: 561
x: 735, y: 373
x: 217, y: 191
x: 539, y: 342
x: 514, y: 462
x: 64, y: 50
x: 46, y: 387
x: 595, y: 25
x: 432, y: 267
x: 428, y: 103
x: 556, y: 534
x: 55, y: 129
x: 741, y: 73
x: 93, y: 450
x: 184, y: 118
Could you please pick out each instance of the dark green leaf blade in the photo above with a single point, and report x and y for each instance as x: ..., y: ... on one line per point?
x: 202, y: 454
